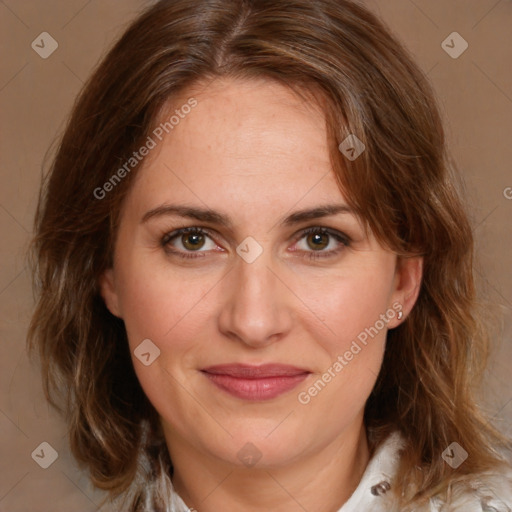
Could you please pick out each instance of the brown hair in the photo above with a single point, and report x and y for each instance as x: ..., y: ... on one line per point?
x: 402, y: 185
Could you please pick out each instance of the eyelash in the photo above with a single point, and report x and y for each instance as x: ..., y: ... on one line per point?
x: 343, y: 239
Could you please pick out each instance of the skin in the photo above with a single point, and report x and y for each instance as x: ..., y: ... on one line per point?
x: 254, y: 152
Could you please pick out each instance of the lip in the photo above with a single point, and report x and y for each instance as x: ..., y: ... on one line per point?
x: 256, y: 383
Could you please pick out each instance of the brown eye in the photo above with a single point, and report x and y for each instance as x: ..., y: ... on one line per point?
x: 317, y: 241
x: 192, y: 241
x: 321, y: 242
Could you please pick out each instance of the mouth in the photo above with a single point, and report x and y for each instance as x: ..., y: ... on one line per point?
x: 255, y: 383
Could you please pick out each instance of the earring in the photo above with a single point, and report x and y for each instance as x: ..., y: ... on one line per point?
x: 400, y: 315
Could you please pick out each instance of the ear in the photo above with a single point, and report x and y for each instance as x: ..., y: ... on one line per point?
x: 408, y: 276
x: 109, y: 293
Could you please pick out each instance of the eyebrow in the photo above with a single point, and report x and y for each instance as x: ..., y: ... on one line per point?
x: 214, y: 217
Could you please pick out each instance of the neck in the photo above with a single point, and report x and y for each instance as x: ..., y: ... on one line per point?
x: 321, y: 481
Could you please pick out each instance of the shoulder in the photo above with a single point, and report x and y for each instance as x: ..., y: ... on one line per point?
x: 483, y: 492
x: 489, y: 491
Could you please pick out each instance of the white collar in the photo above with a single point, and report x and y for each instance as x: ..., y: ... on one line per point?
x: 377, y: 478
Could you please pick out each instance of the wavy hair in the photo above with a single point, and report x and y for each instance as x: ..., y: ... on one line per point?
x: 402, y: 185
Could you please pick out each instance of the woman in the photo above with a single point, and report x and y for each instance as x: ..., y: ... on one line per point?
x: 255, y: 273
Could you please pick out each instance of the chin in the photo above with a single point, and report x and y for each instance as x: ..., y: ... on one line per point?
x: 263, y: 444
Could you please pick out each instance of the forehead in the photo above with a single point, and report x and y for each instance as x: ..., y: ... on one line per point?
x: 244, y: 142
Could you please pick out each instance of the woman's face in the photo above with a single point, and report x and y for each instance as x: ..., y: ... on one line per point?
x: 280, y: 274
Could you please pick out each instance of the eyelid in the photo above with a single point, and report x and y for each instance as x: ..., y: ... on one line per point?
x: 170, y: 235
x: 166, y: 239
x: 341, y: 237
x: 343, y: 240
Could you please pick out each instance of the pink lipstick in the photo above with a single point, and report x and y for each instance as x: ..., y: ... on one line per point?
x: 256, y: 383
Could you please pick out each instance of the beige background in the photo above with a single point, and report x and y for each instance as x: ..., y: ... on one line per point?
x: 475, y: 92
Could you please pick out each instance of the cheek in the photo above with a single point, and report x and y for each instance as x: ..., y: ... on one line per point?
x: 352, y: 352
x: 173, y: 312
x: 352, y: 338
x: 157, y: 302
x: 348, y: 304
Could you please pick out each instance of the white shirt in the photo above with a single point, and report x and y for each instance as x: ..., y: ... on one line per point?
x: 484, y: 493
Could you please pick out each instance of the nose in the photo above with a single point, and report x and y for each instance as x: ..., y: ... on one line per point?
x: 256, y: 309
